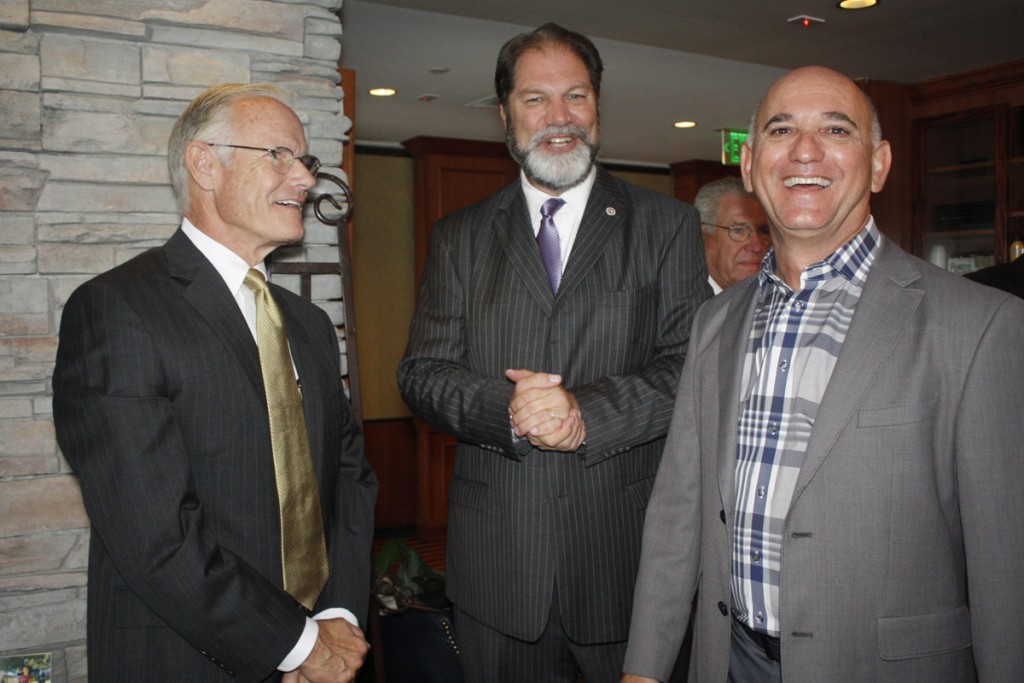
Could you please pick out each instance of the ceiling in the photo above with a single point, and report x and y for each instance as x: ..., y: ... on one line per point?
x: 708, y: 61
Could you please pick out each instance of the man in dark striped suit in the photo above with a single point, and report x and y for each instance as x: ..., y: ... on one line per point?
x: 552, y: 324
x: 163, y: 406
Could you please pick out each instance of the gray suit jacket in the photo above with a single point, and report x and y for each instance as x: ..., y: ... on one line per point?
x: 159, y: 408
x: 520, y: 519
x: 904, y: 553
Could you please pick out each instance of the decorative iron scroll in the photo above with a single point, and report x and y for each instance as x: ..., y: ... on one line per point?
x: 334, y: 208
x: 344, y: 207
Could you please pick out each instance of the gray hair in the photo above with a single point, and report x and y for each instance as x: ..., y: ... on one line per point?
x: 208, y: 118
x: 876, y: 127
x: 710, y: 197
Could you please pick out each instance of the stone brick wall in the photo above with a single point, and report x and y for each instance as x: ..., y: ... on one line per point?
x: 89, y: 90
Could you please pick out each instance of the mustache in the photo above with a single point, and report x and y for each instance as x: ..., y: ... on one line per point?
x: 559, y: 131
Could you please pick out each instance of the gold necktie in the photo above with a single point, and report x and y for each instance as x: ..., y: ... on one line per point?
x: 303, y: 552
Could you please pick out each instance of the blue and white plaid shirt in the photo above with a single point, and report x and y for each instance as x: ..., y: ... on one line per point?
x: 793, y: 346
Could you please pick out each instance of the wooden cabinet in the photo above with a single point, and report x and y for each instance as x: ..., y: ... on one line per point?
x: 1015, y: 189
x: 448, y: 174
x: 689, y: 176
x: 967, y: 187
x: 969, y: 207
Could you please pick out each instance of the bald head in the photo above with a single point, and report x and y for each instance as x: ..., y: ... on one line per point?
x: 814, y: 158
x: 811, y: 71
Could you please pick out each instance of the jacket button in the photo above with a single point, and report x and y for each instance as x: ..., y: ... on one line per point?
x: 723, y: 608
x: 722, y: 515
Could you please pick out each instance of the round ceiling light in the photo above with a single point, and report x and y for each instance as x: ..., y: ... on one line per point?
x: 383, y: 92
x: 857, y: 4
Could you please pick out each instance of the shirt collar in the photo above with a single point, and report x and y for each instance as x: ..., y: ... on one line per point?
x: 852, y: 261
x: 575, y: 197
x: 232, y: 267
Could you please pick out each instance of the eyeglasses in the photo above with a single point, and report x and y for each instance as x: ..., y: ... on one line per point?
x: 281, y: 158
x: 741, y: 232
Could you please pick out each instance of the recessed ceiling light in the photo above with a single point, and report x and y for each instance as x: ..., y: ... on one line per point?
x: 383, y: 92
x: 857, y: 4
x: 685, y: 124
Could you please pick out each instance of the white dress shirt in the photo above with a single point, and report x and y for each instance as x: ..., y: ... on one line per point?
x: 715, y: 287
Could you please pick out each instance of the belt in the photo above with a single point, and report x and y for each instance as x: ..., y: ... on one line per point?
x: 771, y: 645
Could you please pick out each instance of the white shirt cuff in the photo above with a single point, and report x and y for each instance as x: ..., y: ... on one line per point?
x: 307, y: 640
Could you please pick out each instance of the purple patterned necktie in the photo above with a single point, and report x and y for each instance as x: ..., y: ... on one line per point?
x: 547, y: 239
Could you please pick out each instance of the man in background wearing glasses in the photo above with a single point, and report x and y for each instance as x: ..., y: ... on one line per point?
x: 735, y: 232
x: 185, y: 431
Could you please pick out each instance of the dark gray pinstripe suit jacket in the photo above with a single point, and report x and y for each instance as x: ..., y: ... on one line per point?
x: 159, y: 408
x: 523, y: 520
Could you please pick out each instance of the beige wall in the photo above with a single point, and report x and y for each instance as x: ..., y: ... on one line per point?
x: 659, y: 181
x: 382, y: 276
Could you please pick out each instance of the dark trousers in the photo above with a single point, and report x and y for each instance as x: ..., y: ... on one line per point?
x: 748, y: 662
x: 489, y: 656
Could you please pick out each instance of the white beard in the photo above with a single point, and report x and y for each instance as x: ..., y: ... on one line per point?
x: 558, y: 171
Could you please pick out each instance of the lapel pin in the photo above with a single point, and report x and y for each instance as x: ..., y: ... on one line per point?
x: 610, y: 211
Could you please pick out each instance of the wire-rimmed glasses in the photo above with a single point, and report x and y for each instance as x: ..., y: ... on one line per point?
x: 281, y: 158
x: 741, y: 232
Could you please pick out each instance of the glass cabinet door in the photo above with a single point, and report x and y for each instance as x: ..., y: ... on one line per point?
x: 959, y: 192
x: 1015, y: 205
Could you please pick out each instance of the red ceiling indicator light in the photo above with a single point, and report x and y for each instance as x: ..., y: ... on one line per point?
x: 805, y: 20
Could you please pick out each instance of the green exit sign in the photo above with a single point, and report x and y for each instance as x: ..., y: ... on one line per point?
x: 732, y: 143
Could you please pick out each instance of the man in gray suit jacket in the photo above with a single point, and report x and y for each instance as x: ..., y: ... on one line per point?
x: 846, y: 451
x: 160, y: 408
x: 556, y: 369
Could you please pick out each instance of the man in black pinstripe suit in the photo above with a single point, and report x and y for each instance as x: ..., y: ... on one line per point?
x: 160, y: 408
x: 557, y: 381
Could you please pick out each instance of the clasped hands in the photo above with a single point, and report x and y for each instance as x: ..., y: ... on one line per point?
x: 336, y: 657
x: 544, y: 412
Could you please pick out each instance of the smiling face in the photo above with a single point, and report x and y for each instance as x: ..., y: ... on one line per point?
x: 813, y: 165
x: 730, y: 261
x: 551, y: 121
x: 245, y: 204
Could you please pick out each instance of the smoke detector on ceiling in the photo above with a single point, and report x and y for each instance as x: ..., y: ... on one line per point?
x: 489, y: 101
x: 805, y: 20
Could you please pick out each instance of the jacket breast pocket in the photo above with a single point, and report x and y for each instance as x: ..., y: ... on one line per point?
x: 924, y: 635
x: 889, y: 442
x: 895, y: 415
x: 624, y: 325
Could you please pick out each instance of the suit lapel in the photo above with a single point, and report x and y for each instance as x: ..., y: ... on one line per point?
x: 732, y: 355
x: 886, y: 306
x: 205, y: 291
x: 515, y: 234
x: 606, y: 211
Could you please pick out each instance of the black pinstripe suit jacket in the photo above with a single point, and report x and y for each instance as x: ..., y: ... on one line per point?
x: 522, y: 521
x: 159, y: 408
